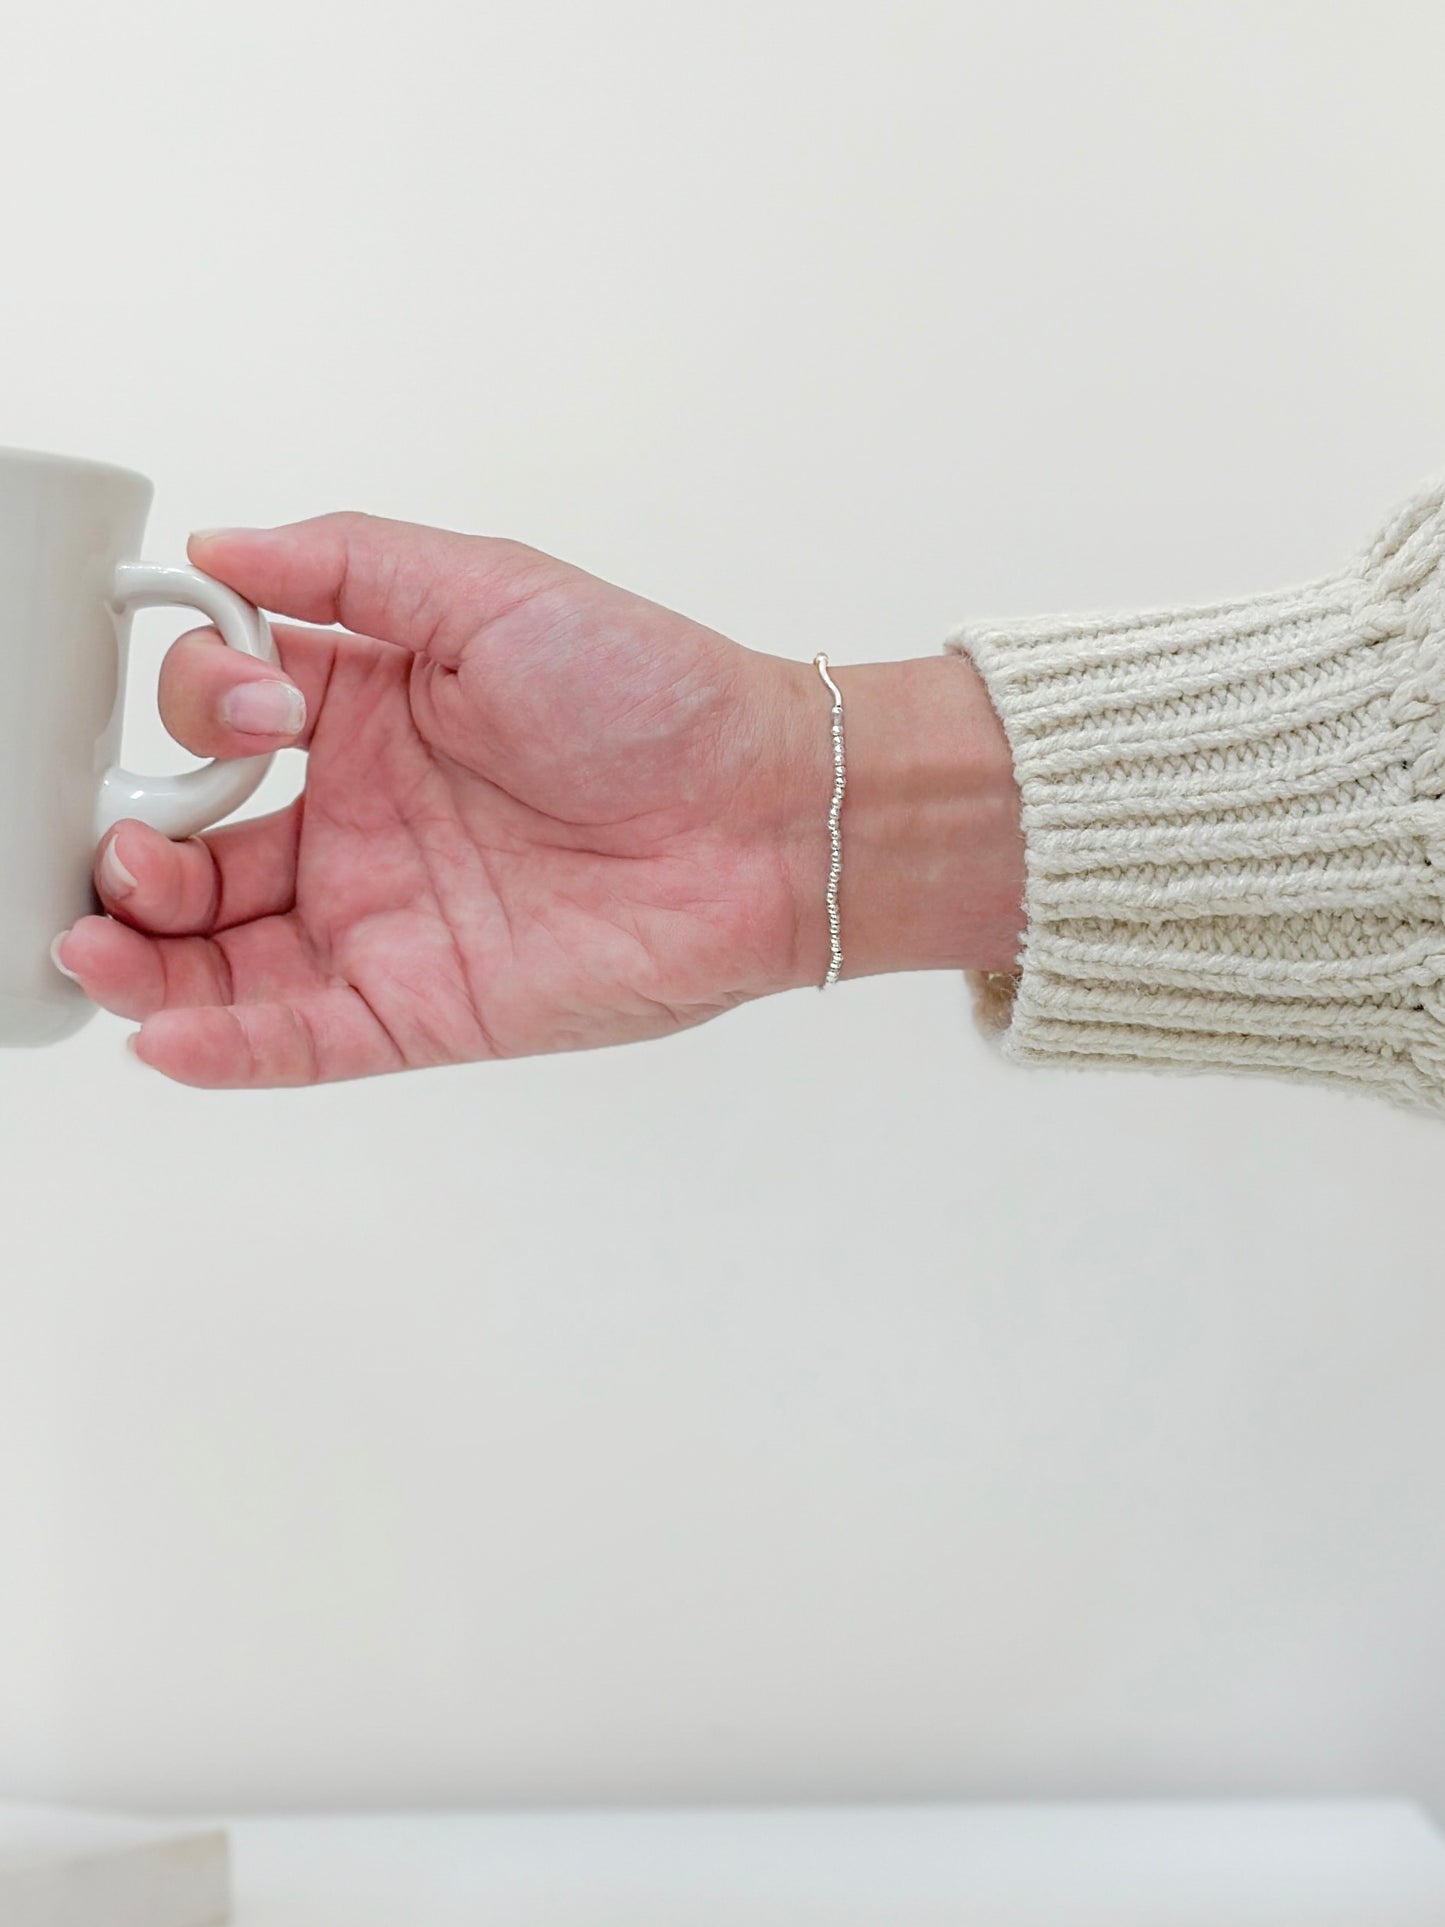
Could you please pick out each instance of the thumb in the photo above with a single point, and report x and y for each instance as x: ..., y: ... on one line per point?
x: 397, y: 581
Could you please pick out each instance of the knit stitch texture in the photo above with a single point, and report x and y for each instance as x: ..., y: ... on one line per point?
x: 1234, y: 824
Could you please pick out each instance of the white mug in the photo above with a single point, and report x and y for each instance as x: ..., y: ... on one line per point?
x: 70, y: 538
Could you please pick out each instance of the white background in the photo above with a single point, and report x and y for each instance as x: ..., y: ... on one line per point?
x: 809, y: 1405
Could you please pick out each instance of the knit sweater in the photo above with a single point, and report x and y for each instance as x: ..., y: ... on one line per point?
x: 1234, y: 827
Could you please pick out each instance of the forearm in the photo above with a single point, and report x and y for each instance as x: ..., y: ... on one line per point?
x: 933, y: 867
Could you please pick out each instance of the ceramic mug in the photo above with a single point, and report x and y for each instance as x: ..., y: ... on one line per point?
x: 70, y: 578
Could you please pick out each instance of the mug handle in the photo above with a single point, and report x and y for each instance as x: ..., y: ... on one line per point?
x: 179, y: 806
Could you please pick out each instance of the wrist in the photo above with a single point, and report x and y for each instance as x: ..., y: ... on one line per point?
x: 933, y: 872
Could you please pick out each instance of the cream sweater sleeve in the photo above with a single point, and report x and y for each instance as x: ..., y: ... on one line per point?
x: 1234, y: 823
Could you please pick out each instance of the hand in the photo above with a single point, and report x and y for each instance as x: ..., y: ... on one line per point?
x: 539, y: 814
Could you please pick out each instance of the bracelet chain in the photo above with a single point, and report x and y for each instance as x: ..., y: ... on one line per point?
x: 835, y: 839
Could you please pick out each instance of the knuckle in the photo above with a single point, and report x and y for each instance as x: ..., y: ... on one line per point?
x: 506, y: 554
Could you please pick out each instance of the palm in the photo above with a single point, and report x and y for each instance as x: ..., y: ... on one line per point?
x: 504, y: 844
x: 510, y: 838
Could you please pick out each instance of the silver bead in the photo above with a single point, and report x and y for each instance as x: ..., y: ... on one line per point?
x: 835, y: 842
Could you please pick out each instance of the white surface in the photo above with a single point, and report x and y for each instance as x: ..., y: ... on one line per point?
x: 732, y: 1417
x: 69, y: 1869
x: 1348, y: 1864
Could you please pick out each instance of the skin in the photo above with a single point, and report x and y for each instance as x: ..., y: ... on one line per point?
x: 540, y: 814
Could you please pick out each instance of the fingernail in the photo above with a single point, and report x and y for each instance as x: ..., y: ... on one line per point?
x: 115, y: 879
x: 55, y: 957
x: 269, y: 708
x: 207, y: 535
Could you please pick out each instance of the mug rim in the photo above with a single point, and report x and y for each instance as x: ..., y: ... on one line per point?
x: 47, y: 458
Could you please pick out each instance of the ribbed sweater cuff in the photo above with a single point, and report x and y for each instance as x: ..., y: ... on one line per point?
x: 1234, y: 824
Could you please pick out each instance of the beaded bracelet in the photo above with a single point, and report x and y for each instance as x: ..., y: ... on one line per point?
x: 835, y: 840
